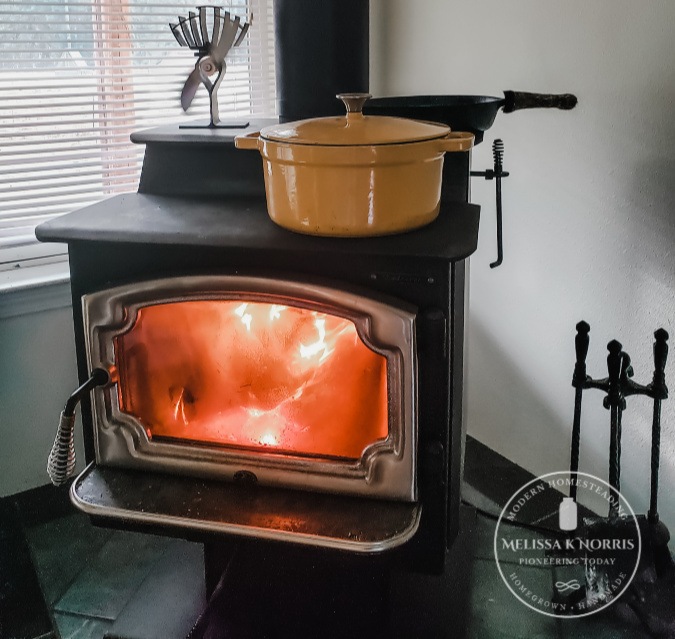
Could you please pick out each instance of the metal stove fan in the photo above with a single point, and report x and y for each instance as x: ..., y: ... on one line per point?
x: 210, y: 33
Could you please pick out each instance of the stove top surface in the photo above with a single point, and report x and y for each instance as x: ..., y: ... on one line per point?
x: 243, y: 223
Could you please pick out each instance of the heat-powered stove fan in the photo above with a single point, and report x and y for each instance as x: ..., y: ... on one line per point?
x: 211, y: 33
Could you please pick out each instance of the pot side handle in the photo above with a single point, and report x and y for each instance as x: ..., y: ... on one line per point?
x: 456, y: 141
x: 250, y: 141
x: 516, y: 100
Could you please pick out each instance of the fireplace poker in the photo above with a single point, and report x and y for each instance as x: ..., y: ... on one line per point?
x: 579, y: 379
x: 619, y: 369
x: 660, y: 392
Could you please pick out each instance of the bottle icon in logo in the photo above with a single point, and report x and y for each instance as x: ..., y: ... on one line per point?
x: 567, y: 515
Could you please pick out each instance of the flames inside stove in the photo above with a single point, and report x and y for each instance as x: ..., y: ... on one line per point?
x: 252, y: 375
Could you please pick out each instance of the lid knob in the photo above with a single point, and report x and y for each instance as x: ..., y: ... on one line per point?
x: 354, y: 101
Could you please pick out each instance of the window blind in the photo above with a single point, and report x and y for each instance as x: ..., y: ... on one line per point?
x: 77, y: 77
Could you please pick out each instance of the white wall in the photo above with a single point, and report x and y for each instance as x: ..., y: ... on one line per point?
x: 37, y: 374
x: 589, y: 210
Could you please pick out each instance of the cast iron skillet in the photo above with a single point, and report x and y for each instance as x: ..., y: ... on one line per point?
x: 474, y: 113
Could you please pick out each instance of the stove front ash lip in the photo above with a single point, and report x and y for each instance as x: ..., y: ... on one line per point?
x: 386, y: 469
x: 91, y: 493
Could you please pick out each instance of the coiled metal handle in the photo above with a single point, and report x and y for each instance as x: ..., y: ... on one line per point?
x: 61, y: 461
x: 498, y: 155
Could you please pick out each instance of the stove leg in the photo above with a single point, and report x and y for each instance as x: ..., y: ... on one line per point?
x: 272, y: 591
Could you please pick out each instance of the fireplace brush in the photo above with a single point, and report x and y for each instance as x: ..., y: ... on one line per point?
x: 61, y: 461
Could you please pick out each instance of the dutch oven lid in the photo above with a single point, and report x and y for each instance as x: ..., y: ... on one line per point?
x: 354, y: 129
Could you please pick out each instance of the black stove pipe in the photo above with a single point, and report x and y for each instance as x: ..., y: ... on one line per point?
x: 321, y: 50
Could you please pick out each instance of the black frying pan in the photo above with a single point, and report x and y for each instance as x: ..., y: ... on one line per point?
x: 474, y: 113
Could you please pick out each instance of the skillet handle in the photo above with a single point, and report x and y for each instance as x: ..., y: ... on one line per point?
x: 516, y: 100
x: 250, y: 141
x: 456, y: 141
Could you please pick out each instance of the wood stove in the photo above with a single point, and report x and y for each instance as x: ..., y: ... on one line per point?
x: 266, y: 385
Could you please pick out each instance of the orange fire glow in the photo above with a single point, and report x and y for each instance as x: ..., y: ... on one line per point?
x: 253, y: 374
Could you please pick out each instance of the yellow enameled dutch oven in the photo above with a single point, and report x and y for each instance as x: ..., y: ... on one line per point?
x: 356, y: 175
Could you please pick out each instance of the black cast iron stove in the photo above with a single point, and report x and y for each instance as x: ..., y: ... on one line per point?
x: 286, y: 560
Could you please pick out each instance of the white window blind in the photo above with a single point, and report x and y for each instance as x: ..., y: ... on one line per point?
x: 77, y: 77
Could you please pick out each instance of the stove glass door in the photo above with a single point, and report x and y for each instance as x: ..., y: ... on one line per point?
x: 287, y: 383
x: 252, y: 375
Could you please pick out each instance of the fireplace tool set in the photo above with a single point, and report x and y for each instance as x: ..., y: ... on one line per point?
x: 618, y: 385
x: 211, y: 34
x: 652, y: 591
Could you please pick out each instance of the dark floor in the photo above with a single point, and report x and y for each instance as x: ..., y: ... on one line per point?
x: 96, y: 583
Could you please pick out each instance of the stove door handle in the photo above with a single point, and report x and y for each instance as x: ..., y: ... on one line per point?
x: 61, y: 461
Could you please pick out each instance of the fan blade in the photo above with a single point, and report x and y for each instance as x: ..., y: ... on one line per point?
x: 190, y: 88
x: 203, y: 26
x: 182, y: 22
x: 242, y: 35
x: 216, y: 25
x: 178, y: 35
x: 222, y: 29
x: 195, y: 28
x: 225, y: 44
